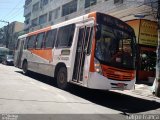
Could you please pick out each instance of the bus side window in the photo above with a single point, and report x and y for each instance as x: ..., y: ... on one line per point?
x: 65, y: 36
x: 25, y: 44
x: 50, y: 38
x: 89, y: 41
x: 31, y: 42
x: 39, y: 40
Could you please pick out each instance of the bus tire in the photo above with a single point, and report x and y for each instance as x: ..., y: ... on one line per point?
x: 62, y: 78
x: 25, y: 68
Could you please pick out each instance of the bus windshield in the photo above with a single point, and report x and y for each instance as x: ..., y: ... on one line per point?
x: 114, y: 47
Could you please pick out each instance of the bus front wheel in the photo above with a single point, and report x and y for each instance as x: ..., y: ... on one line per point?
x: 62, y: 78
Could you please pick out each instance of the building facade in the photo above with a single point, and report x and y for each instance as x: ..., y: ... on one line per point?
x: 10, y: 33
x: 14, y: 29
x: 42, y: 13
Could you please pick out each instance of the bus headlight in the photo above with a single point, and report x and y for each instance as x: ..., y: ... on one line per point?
x: 97, y: 66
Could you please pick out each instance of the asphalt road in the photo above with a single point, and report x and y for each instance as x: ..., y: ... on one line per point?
x: 38, y: 94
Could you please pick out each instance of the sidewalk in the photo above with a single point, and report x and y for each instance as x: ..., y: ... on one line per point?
x: 141, y: 91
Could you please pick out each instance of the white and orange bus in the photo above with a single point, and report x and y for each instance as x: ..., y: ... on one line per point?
x: 94, y: 50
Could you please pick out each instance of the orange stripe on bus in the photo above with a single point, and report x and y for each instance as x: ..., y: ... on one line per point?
x: 94, y: 14
x: 92, y: 69
x: 45, y: 54
x: 40, y: 31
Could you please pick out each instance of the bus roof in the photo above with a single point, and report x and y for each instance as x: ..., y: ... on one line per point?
x: 74, y: 20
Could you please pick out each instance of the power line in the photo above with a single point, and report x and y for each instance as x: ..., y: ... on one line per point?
x: 15, y: 15
x: 12, y: 10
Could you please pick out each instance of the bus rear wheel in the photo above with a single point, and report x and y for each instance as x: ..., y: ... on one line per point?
x: 62, y: 78
x: 25, y: 68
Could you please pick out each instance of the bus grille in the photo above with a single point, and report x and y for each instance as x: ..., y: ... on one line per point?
x: 118, y: 74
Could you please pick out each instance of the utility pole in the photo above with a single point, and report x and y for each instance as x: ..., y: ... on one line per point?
x: 7, y: 33
x: 157, y: 80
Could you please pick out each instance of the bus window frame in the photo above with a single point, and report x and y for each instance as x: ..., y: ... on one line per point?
x: 36, y: 41
x: 17, y: 44
x: 131, y: 36
x: 57, y: 46
x: 53, y: 41
x: 25, y: 47
x: 90, y: 40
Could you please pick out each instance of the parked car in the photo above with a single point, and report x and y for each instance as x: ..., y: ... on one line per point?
x: 3, y: 52
x: 1, y: 57
x: 8, y: 60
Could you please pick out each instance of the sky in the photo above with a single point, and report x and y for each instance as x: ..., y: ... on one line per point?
x: 11, y: 10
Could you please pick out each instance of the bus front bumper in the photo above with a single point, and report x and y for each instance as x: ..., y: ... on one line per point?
x: 98, y: 81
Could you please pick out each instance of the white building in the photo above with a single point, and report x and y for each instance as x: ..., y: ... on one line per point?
x: 42, y: 13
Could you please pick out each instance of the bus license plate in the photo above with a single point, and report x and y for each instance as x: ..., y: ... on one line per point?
x: 121, y: 86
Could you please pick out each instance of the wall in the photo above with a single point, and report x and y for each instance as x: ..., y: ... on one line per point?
x: 125, y: 11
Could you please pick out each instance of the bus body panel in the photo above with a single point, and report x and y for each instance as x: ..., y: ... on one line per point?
x: 45, y: 61
x: 68, y: 60
x: 19, y: 52
x: 38, y: 64
x: 98, y: 81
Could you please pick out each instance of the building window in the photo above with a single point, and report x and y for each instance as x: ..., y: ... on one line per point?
x: 54, y: 14
x: 27, y: 2
x: 89, y: 3
x: 28, y: 15
x: 44, y: 2
x: 65, y: 36
x: 118, y: 1
x: 43, y: 19
x: 27, y: 18
x: 35, y: 7
x: 27, y: 21
x: 34, y: 22
x: 69, y: 8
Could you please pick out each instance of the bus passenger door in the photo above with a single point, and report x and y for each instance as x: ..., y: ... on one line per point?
x: 83, y: 42
x: 18, y: 53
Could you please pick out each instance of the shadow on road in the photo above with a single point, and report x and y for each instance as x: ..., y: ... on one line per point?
x: 113, y: 100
